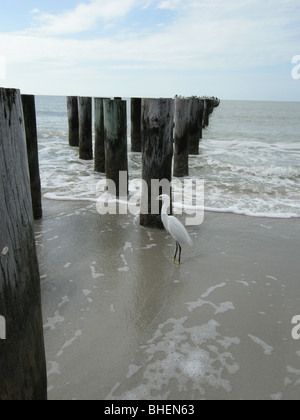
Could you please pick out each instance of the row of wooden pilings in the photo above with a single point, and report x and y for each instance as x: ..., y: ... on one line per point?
x: 190, y: 116
x: 22, y: 353
x: 160, y: 129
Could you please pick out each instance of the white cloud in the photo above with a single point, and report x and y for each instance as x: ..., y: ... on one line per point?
x: 169, y: 4
x: 83, y: 18
x: 213, y: 36
x: 203, y: 36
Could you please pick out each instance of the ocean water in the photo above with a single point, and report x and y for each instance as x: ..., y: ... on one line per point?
x: 249, y: 158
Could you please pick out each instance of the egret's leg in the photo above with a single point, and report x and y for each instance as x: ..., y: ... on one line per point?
x: 179, y: 259
x: 176, y: 251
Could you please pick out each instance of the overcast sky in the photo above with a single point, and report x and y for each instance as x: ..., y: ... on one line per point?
x: 233, y: 49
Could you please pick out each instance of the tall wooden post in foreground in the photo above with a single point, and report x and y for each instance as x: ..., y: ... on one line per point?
x: 99, y: 136
x: 22, y: 354
x: 73, y: 121
x: 136, y: 131
x: 181, y: 137
x: 195, y: 125
x: 157, y: 154
x: 115, y: 137
x: 85, y: 128
x: 28, y: 103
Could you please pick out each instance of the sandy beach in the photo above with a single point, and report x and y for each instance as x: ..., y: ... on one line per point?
x: 122, y: 321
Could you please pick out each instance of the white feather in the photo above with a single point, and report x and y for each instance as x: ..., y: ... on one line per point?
x: 173, y: 225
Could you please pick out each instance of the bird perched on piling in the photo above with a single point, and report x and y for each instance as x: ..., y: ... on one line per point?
x: 174, y: 227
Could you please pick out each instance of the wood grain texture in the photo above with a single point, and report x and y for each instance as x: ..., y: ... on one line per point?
x: 136, y: 130
x: 115, y: 137
x: 85, y: 128
x: 73, y: 121
x: 29, y: 112
x: 157, y: 154
x: 181, y: 137
x: 22, y: 360
x: 196, y: 117
x: 99, y: 136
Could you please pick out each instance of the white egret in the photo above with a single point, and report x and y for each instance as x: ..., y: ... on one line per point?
x: 174, y: 227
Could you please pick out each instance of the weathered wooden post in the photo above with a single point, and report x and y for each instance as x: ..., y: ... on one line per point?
x: 85, y: 128
x: 28, y: 103
x: 99, y: 136
x: 157, y: 155
x: 195, y: 126
x: 181, y: 137
x: 22, y: 359
x: 73, y: 121
x: 211, y: 104
x: 115, y: 138
x: 206, y: 113
x: 136, y: 130
x: 201, y: 116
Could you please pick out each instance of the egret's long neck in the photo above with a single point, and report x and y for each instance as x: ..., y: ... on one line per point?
x: 165, y: 206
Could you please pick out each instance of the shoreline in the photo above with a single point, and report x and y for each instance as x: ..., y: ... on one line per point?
x: 281, y: 216
x: 122, y: 321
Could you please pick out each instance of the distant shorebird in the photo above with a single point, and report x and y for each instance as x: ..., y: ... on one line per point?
x: 174, y: 227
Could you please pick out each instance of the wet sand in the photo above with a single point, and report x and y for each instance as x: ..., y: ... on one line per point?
x: 122, y: 321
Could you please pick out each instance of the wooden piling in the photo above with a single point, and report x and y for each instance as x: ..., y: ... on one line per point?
x: 181, y: 137
x: 85, y: 128
x: 29, y: 113
x: 201, y: 117
x: 157, y: 155
x: 210, y: 105
x: 22, y: 361
x: 115, y: 138
x: 73, y: 121
x: 195, y: 132
x: 206, y: 113
x: 99, y: 136
x: 136, y: 131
